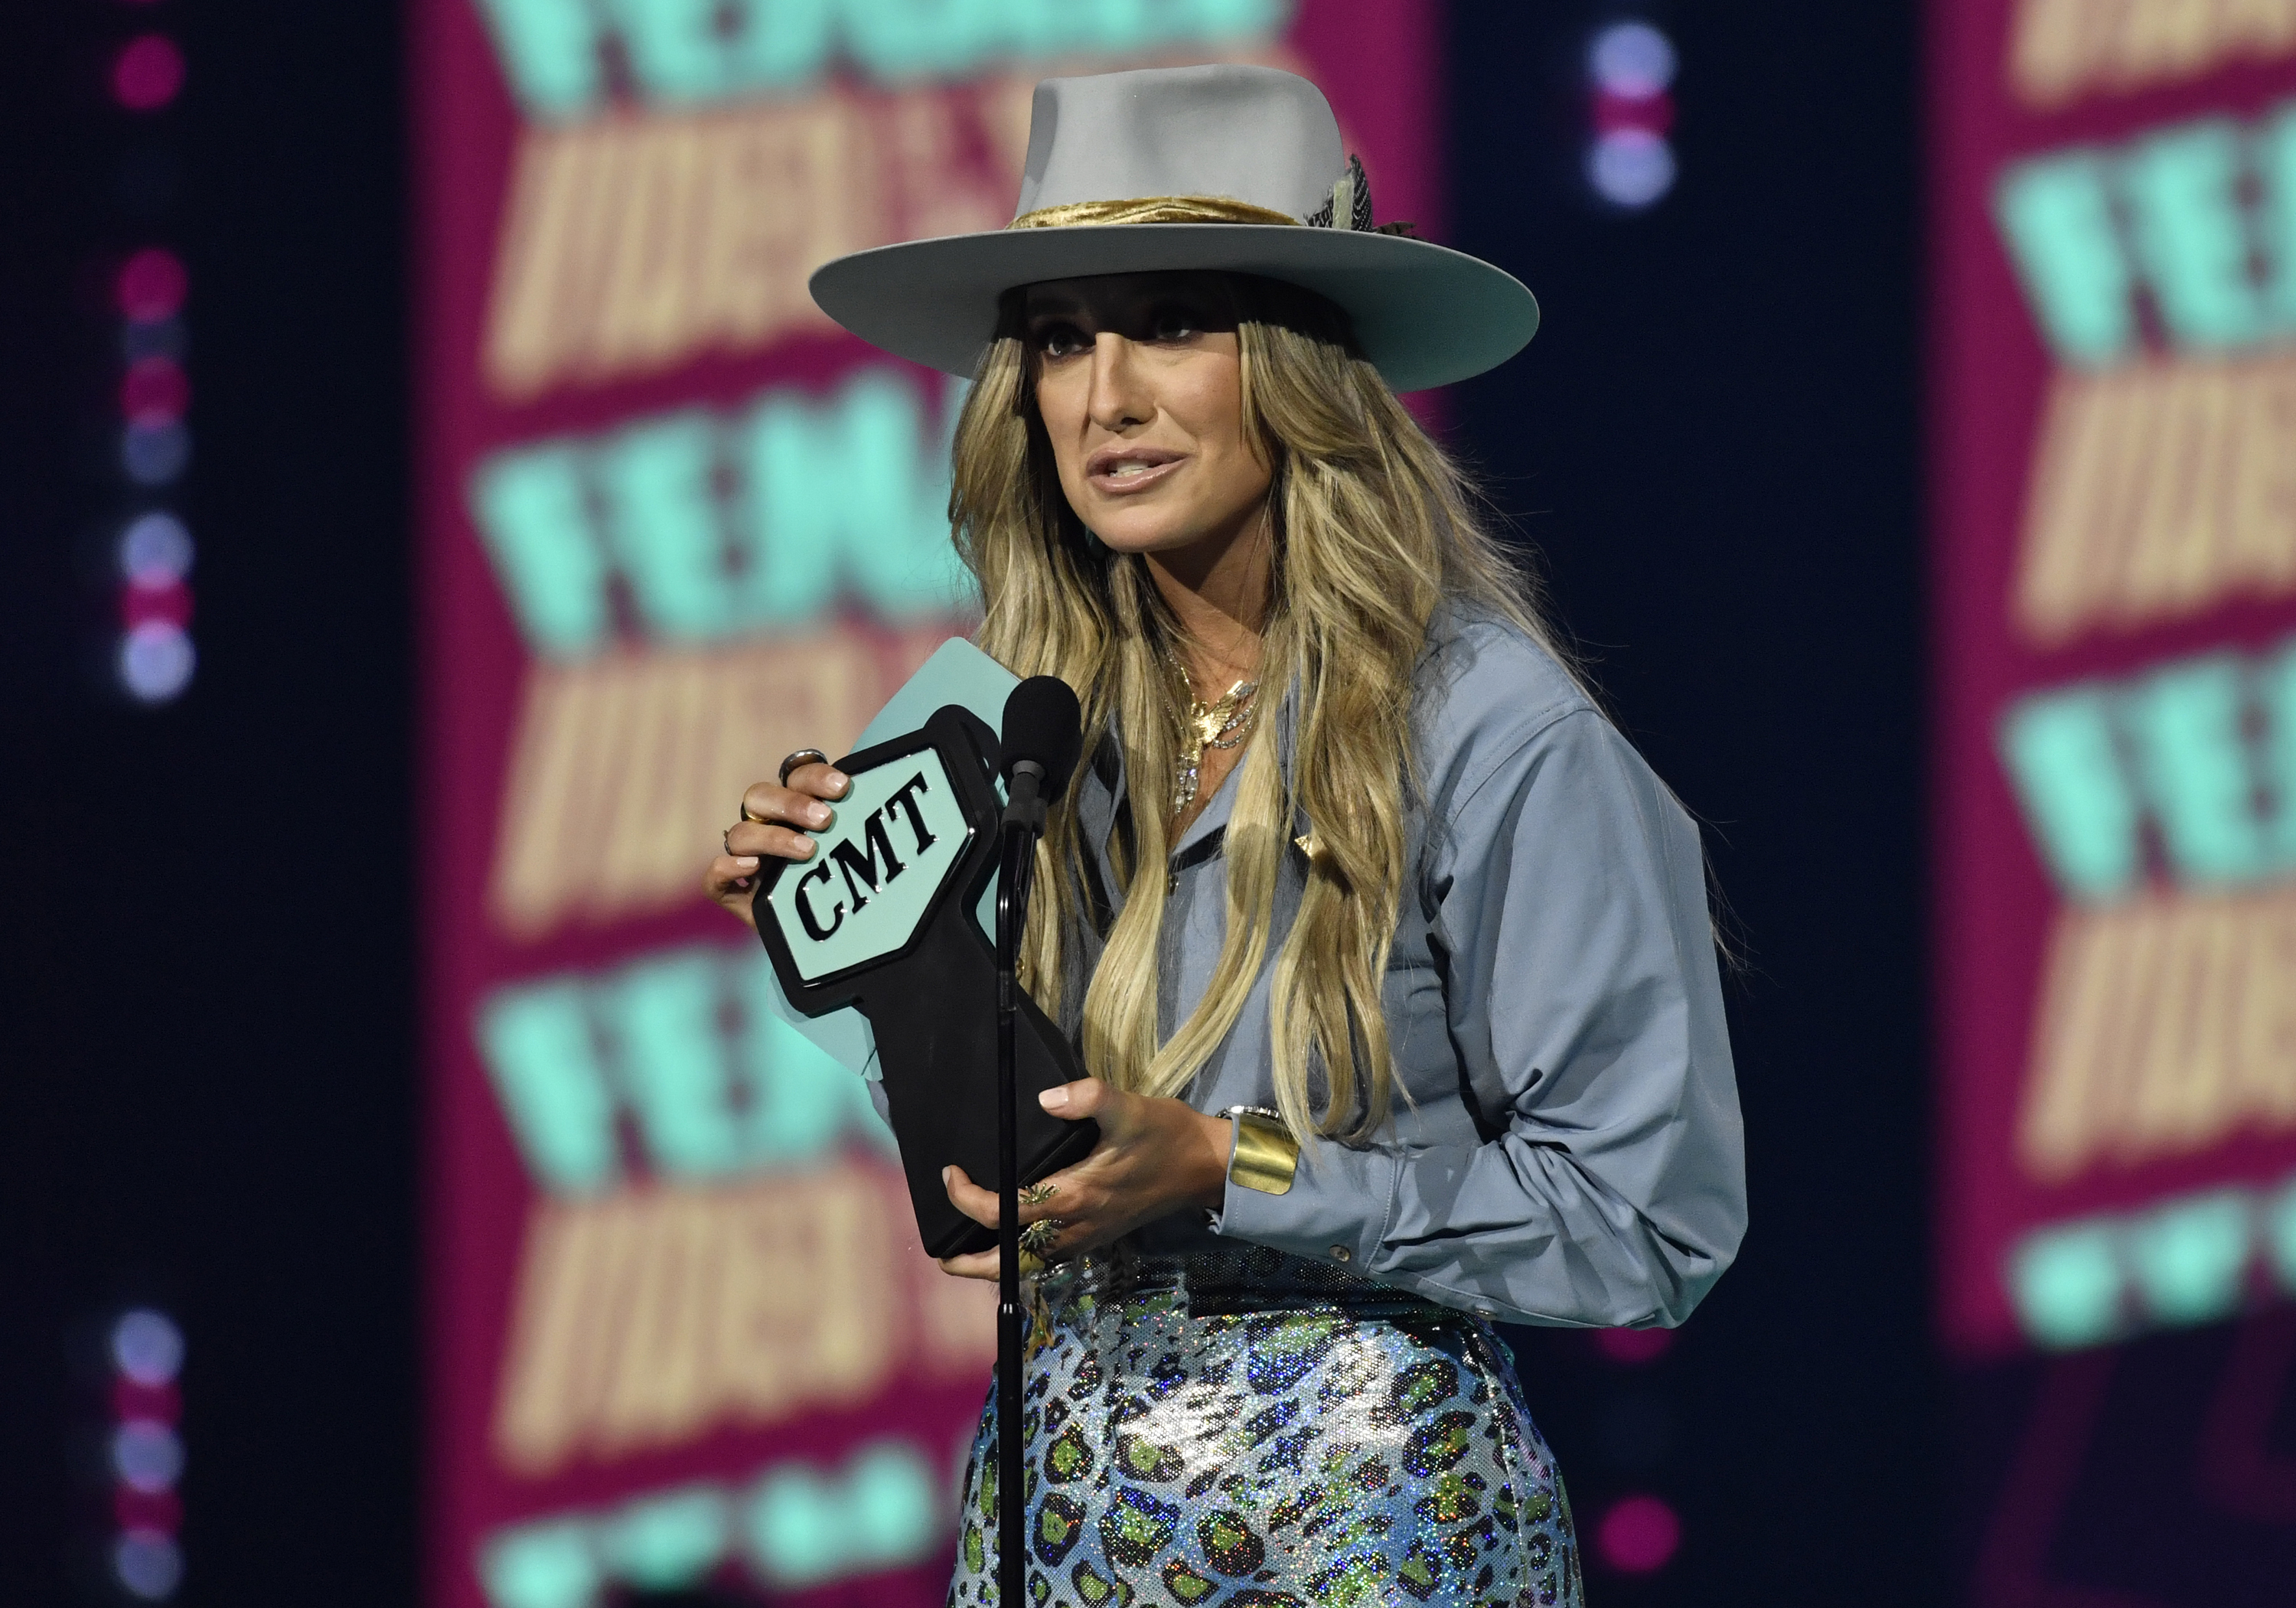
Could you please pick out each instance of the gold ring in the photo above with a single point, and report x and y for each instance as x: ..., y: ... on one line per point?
x: 1037, y: 1239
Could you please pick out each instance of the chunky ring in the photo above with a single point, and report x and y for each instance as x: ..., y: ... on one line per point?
x: 804, y: 756
x: 1037, y: 1239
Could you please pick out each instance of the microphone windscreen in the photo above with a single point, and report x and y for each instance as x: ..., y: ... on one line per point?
x: 1043, y: 723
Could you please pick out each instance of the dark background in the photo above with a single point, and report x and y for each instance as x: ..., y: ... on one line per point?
x: 208, y: 1095
x: 1714, y: 445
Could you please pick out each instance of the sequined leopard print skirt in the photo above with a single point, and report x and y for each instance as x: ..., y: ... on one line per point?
x: 1247, y: 1430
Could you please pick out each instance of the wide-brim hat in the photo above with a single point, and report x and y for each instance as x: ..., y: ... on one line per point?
x: 1231, y: 168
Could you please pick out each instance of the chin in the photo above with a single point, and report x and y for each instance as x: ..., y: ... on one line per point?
x: 1137, y: 545
x: 1130, y: 533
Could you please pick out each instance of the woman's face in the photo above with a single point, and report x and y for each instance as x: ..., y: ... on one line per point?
x: 1140, y: 385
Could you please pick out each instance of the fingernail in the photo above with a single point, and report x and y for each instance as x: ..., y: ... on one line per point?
x: 839, y: 780
x: 946, y: 1175
x: 816, y: 814
x: 747, y: 862
x: 1054, y: 1099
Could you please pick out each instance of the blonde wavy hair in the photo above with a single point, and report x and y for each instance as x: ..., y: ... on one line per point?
x: 1373, y: 528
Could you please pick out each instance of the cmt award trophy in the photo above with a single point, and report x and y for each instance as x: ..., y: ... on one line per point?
x: 881, y: 920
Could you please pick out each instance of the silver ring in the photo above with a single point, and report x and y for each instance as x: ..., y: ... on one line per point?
x: 804, y: 756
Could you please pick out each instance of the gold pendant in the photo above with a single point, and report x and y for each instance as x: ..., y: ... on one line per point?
x: 1219, y: 725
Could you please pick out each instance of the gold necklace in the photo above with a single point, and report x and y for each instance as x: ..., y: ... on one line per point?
x: 1222, y: 724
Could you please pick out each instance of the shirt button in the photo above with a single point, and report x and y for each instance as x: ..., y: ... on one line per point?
x: 1341, y: 1253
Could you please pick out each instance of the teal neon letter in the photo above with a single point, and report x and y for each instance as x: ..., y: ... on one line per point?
x: 892, y: 1501
x: 781, y: 44
x: 1234, y: 18
x: 547, y: 1563
x: 528, y: 506
x: 2277, y: 688
x: 2276, y: 165
x: 550, y: 53
x: 679, y: 53
x: 2190, y: 1257
x: 666, y: 1541
x: 2057, y: 218
x: 853, y: 486
x: 2183, y: 189
x: 537, y: 1043
x: 793, y: 525
x: 675, y: 51
x: 2065, y: 1282
x: 909, y: 39
x: 662, y: 1013
x: 2184, y: 722
x: 2059, y: 749
x: 661, y: 515
x: 804, y: 1529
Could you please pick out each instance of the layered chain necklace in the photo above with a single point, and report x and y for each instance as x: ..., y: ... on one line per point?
x: 1222, y: 724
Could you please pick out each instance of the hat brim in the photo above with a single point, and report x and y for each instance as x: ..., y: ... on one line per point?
x: 1424, y: 314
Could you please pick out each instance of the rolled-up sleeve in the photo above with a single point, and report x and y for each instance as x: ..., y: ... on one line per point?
x: 1568, y: 923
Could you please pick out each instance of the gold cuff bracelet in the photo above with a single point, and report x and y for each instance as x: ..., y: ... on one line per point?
x: 1266, y: 1154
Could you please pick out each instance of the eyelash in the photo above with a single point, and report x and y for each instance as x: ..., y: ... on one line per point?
x: 1171, y: 324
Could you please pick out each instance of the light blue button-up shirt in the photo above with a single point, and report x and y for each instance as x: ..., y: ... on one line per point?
x: 1567, y: 1147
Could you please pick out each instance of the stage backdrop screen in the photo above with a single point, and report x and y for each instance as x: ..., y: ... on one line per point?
x: 674, y: 525
x: 2113, y: 492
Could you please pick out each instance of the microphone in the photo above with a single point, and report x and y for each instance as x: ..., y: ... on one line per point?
x: 1042, y: 741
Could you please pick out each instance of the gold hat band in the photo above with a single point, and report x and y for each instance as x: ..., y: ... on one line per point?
x: 1152, y: 210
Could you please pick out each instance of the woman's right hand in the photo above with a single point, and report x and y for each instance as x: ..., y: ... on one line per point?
x: 774, y: 820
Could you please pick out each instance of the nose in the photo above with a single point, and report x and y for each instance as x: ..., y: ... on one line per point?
x: 1118, y: 399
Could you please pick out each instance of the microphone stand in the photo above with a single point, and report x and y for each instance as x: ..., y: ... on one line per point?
x: 1024, y: 824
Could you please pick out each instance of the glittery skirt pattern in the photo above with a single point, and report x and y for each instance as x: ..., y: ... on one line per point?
x: 1248, y: 1430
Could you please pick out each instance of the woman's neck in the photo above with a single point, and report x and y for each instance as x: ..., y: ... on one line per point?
x: 1219, y: 591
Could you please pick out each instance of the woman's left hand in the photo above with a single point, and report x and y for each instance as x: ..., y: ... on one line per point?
x: 1155, y: 1156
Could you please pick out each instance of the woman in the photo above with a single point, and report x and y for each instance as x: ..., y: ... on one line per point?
x: 1388, y: 957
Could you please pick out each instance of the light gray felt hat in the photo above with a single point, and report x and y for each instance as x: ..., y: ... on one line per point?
x: 1170, y: 168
